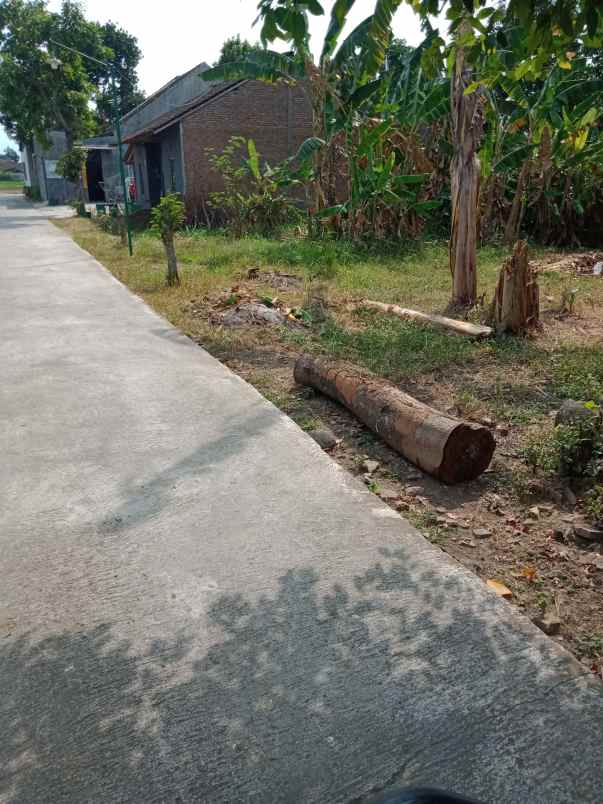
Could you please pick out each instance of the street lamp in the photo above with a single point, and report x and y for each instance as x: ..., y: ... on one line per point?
x: 54, y: 65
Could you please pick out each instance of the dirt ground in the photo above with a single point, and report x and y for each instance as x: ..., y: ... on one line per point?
x: 505, y: 526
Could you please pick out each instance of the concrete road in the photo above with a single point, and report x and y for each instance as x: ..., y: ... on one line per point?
x: 198, y: 605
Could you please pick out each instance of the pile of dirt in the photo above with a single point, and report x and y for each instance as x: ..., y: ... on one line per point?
x: 252, y: 313
x: 580, y: 264
x: 276, y: 279
x: 240, y: 305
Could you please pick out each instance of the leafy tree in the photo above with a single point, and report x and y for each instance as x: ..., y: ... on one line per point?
x: 166, y: 218
x: 122, y: 53
x: 71, y: 163
x: 34, y: 97
x: 237, y: 49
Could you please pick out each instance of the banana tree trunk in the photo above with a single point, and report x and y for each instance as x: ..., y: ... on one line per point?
x: 516, y: 303
x: 544, y: 211
x: 517, y: 207
x: 317, y: 102
x: 467, y: 127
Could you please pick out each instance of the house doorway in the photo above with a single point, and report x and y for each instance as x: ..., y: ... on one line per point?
x: 154, y: 171
x: 94, y: 176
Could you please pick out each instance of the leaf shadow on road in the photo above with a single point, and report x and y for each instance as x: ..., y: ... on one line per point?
x: 145, y: 498
x: 311, y: 693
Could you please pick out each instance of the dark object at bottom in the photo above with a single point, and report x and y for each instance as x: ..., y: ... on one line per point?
x: 422, y: 795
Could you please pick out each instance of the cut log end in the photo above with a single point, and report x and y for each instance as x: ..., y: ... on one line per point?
x: 467, y: 454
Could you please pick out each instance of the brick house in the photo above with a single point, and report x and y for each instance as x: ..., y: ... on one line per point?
x: 166, y: 137
x: 276, y: 117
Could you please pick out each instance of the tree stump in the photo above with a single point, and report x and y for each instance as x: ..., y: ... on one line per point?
x: 516, y: 304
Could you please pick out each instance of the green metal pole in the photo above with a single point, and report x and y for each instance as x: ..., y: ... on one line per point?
x: 122, y: 172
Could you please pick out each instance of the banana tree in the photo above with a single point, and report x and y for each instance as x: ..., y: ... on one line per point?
x: 476, y: 25
x: 341, y: 81
x: 540, y: 130
x: 384, y: 201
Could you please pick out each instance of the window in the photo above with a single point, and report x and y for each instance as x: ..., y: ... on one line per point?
x: 172, y: 174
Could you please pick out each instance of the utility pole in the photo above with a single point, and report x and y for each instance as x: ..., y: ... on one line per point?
x: 55, y: 63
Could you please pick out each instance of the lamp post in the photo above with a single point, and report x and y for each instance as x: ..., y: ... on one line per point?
x: 55, y: 64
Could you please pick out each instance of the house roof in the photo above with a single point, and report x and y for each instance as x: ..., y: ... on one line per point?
x: 200, y: 68
x: 103, y: 142
x: 163, y: 121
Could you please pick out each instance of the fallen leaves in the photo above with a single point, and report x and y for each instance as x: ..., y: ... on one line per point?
x: 500, y: 589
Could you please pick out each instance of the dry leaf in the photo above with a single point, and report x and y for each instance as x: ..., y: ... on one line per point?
x: 529, y: 573
x: 500, y: 589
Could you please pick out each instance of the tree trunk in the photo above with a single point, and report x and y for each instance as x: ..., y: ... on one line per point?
x: 172, y: 277
x: 516, y: 303
x: 448, y: 449
x: 544, y: 210
x: 123, y: 230
x: 517, y: 207
x: 317, y: 103
x: 467, y: 127
x: 485, y: 217
x: 459, y: 327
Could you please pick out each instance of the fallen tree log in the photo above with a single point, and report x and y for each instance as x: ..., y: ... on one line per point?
x: 459, y: 327
x: 447, y: 448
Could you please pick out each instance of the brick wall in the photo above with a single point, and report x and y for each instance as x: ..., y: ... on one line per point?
x: 278, y: 118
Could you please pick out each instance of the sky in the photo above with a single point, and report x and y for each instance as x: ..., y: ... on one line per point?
x: 176, y: 35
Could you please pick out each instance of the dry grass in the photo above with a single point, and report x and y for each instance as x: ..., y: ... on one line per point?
x: 212, y: 264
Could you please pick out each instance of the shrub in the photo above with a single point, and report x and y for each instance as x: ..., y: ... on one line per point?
x: 572, y: 450
x: 166, y: 218
x: 594, y: 505
x: 253, y: 200
x: 71, y: 163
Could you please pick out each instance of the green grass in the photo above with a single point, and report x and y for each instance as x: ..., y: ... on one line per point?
x: 10, y: 184
x: 510, y: 378
x: 387, y: 346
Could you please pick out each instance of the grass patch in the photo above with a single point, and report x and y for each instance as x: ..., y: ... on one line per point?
x: 11, y: 184
x: 394, y: 348
x: 577, y: 372
x: 510, y: 378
